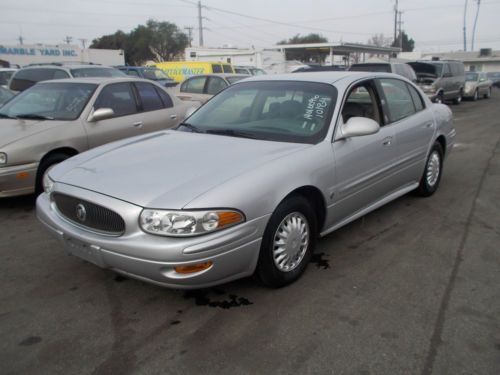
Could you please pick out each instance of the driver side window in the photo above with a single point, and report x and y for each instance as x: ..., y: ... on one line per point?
x: 361, y: 102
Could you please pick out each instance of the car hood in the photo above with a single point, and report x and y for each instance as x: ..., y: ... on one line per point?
x: 12, y: 130
x: 168, y: 169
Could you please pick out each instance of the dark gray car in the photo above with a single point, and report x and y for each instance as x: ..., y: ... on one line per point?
x: 441, y: 80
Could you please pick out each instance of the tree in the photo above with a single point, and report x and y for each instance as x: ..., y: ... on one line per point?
x: 379, y: 40
x: 157, y: 41
x: 408, y: 43
x: 302, y: 54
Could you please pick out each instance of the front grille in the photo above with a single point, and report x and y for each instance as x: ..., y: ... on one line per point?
x: 89, y: 215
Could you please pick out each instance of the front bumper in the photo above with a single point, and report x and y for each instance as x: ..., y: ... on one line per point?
x: 18, y: 180
x: 234, y: 251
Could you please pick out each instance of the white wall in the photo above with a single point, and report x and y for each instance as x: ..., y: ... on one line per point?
x: 39, y: 53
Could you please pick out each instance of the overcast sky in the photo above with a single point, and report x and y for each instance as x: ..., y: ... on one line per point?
x: 435, y: 25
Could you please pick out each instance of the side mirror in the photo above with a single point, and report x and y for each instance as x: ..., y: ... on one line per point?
x: 101, y: 114
x: 357, y: 127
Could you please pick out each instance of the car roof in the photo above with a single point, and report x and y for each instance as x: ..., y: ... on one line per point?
x: 68, y: 66
x: 223, y: 75
x: 321, y: 76
x: 97, y: 80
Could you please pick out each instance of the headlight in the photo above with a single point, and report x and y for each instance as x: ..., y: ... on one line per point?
x: 188, y: 223
x: 48, y: 183
x: 3, y: 158
x: 429, y: 88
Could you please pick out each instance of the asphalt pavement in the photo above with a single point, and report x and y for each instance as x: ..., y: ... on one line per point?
x: 412, y: 288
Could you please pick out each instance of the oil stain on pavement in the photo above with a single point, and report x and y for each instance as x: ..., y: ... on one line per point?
x: 205, y: 297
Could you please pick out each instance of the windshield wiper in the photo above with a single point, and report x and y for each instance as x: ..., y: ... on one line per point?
x: 232, y: 133
x: 34, y: 116
x: 193, y: 128
x: 3, y: 115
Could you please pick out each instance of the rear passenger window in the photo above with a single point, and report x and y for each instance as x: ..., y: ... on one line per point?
x: 118, y: 97
x: 194, y: 85
x: 417, y: 99
x: 398, y: 99
x: 216, y: 68
x: 149, y: 97
x: 165, y: 98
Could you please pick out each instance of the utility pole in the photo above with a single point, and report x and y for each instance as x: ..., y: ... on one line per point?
x: 400, y: 26
x: 465, y: 27
x: 200, y: 23
x: 68, y: 39
x: 21, y: 39
x: 190, y: 33
x: 84, y: 41
x: 395, y: 22
x: 475, y: 24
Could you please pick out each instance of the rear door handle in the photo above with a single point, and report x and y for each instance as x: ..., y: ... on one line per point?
x: 137, y: 124
x: 173, y: 117
x: 387, y: 141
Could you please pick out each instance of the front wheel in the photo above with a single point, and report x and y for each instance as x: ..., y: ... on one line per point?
x: 488, y: 93
x: 476, y: 96
x: 45, y: 166
x: 458, y: 99
x: 432, y: 172
x: 439, y: 98
x: 288, y: 243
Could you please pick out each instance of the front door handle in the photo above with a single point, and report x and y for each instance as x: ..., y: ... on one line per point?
x: 387, y: 141
x: 173, y: 117
x: 137, y: 124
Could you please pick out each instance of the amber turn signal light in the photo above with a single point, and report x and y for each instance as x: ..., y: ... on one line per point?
x: 192, y: 268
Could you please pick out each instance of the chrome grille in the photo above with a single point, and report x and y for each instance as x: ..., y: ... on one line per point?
x: 89, y: 215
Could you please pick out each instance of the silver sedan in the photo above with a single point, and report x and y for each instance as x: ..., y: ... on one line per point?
x: 250, y: 180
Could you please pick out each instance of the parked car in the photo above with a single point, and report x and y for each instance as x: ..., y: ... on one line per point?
x: 477, y: 85
x: 319, y: 68
x: 495, y: 78
x: 441, y: 80
x: 28, y: 76
x: 151, y: 73
x: 5, y: 75
x: 204, y: 86
x: 54, y: 120
x: 5, y: 95
x: 402, y: 69
x: 249, y: 70
x: 247, y: 183
x: 181, y: 70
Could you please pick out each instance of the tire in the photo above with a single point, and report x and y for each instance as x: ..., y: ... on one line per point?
x: 431, y: 177
x: 488, y: 93
x: 476, y: 96
x: 295, y: 213
x: 439, y: 98
x: 458, y: 99
x: 45, y: 165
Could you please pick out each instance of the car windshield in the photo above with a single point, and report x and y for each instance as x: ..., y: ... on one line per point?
x: 58, y: 101
x: 96, y: 72
x: 471, y: 77
x: 232, y: 80
x: 5, y: 76
x: 284, y: 111
x: 155, y: 74
x: 5, y: 95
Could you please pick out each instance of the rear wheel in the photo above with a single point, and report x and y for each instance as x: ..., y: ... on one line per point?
x: 288, y: 243
x: 439, y: 98
x: 432, y: 172
x: 458, y: 99
x: 45, y: 166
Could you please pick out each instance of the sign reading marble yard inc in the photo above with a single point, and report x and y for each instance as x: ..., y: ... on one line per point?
x: 38, y: 51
